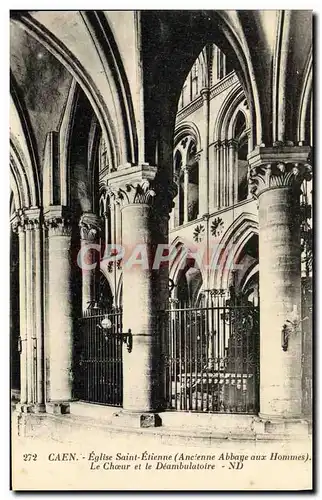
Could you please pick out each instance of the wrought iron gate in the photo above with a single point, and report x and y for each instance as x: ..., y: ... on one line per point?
x: 99, y: 359
x: 211, y: 358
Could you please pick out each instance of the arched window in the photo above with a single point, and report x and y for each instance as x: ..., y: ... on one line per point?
x: 186, y: 175
x: 179, y: 199
x: 194, y: 80
x: 242, y: 139
x: 193, y: 182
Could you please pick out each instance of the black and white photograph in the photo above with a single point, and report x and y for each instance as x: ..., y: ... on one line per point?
x: 161, y: 250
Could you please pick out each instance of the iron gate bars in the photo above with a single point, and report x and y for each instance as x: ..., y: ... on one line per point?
x: 98, y: 370
x: 211, y: 358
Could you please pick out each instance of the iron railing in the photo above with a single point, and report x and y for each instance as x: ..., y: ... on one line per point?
x: 211, y: 358
x: 99, y: 371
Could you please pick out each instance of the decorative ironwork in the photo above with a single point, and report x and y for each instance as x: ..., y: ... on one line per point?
x: 98, y: 358
x: 211, y: 358
x: 217, y: 226
x: 172, y: 285
x: 199, y: 233
x: 306, y: 236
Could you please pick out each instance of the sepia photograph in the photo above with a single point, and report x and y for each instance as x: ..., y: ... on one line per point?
x: 161, y: 250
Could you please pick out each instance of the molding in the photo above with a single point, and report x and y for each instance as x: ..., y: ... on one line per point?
x: 279, y: 166
x: 69, y: 61
x: 58, y: 221
x: 29, y: 165
x: 219, y: 87
x: 26, y: 219
x: 107, y: 48
x: 139, y: 184
x: 306, y: 95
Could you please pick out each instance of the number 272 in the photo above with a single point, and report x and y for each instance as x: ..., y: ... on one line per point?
x: 28, y: 457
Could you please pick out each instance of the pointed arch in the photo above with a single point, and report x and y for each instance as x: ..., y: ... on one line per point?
x: 115, y: 128
x: 226, y: 118
x: 180, y: 263
x: 23, y: 153
x: 187, y: 128
x: 230, y: 247
x: 303, y: 135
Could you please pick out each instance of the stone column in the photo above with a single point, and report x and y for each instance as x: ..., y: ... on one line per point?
x: 89, y: 225
x: 39, y: 313
x: 276, y: 175
x: 217, y: 187
x: 28, y: 223
x: 175, y: 214
x: 118, y: 224
x: 185, y: 170
x: 233, y: 171
x: 19, y: 226
x: 204, y: 163
x: 145, y: 290
x: 60, y: 339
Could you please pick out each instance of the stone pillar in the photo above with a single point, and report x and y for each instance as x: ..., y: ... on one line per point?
x: 28, y: 223
x: 60, y: 339
x: 276, y: 175
x: 145, y: 290
x: 185, y: 170
x: 217, y: 187
x: 233, y: 171
x: 19, y: 226
x: 39, y: 313
x: 204, y: 163
x: 89, y: 225
x: 175, y: 214
x: 118, y: 224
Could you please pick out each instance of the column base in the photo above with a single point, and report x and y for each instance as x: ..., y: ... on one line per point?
x: 58, y: 407
x: 137, y: 420
x: 268, y: 424
x: 30, y: 408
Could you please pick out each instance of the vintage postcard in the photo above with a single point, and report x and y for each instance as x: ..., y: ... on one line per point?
x: 161, y: 250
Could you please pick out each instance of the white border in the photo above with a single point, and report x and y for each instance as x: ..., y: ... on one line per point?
x: 4, y: 185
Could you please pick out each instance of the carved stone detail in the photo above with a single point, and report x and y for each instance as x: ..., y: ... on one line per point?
x: 90, y: 227
x: 139, y: 192
x: 282, y: 165
x: 273, y: 175
x: 152, y: 193
x: 58, y: 226
x: 27, y: 220
x: 141, y: 184
x: 58, y: 221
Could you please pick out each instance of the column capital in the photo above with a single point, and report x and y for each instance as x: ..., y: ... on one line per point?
x: 141, y: 185
x: 58, y: 221
x: 226, y: 143
x: 90, y: 226
x: 132, y: 185
x: 205, y: 93
x: 32, y: 218
x: 17, y: 222
x: 278, y: 166
x: 185, y: 168
x: 26, y: 219
x: 232, y: 143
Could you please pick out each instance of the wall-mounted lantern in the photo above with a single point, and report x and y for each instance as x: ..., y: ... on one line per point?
x: 290, y: 328
x: 106, y: 325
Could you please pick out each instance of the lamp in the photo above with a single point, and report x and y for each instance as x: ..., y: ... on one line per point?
x: 106, y: 325
x: 290, y: 327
